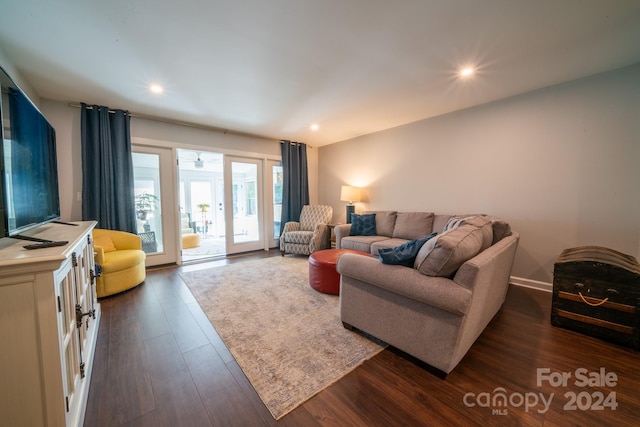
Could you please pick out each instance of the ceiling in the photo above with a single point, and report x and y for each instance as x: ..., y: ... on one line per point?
x: 273, y: 67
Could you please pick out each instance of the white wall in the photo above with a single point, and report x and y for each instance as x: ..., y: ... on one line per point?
x: 66, y: 120
x: 561, y: 164
x: 8, y: 66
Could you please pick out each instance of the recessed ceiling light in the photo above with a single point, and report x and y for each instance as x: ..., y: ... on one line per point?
x: 155, y: 88
x: 314, y: 127
x: 466, y: 72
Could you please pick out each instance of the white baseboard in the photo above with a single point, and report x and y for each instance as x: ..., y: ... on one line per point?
x: 528, y: 283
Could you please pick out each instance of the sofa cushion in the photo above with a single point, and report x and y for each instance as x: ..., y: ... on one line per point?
x: 363, y: 225
x: 385, y: 221
x: 360, y: 243
x: 404, y: 254
x: 439, y: 222
x: 443, y: 255
x: 413, y: 225
x: 298, y: 237
x: 478, y: 220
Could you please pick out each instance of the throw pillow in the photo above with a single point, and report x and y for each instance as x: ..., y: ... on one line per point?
x: 404, y: 254
x: 479, y: 221
x: 363, y: 225
x: 501, y: 228
x: 105, y: 243
x: 443, y: 255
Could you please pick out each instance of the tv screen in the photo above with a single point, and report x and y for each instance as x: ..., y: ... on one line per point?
x: 29, y: 165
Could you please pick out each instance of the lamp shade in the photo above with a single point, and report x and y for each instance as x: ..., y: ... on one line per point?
x: 350, y: 194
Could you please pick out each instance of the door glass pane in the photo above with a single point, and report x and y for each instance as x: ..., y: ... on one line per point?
x: 183, y: 201
x: 245, y: 202
x: 146, y: 173
x: 277, y: 200
x: 201, y: 204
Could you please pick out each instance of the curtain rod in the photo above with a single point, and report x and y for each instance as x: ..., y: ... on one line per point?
x: 178, y: 122
x: 90, y: 107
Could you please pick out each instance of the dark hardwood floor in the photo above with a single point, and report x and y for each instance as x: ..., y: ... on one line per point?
x: 159, y: 362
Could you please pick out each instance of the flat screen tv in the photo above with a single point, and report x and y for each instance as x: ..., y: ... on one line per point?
x: 29, y: 170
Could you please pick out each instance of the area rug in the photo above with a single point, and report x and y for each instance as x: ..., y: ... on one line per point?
x: 287, y: 338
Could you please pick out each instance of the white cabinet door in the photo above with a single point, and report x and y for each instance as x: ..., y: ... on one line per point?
x: 68, y: 335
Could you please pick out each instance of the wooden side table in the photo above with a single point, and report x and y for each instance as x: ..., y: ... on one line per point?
x: 333, y: 235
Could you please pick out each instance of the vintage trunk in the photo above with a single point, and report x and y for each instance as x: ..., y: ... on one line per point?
x: 596, y: 291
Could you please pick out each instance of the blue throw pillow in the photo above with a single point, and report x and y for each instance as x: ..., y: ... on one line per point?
x: 405, y: 254
x: 363, y: 225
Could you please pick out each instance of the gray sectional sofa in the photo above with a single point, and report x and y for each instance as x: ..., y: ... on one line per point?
x: 435, y: 310
x: 392, y: 229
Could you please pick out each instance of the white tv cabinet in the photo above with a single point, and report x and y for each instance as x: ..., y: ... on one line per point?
x: 49, y: 318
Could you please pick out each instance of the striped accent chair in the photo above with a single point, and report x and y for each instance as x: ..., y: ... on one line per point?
x: 310, y: 234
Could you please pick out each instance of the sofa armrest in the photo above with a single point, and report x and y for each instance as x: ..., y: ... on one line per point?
x: 439, y: 292
x: 341, y: 231
x: 288, y: 226
x: 490, y: 267
x: 321, y: 238
x: 291, y: 226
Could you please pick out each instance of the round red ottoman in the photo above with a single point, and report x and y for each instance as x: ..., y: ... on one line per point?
x: 323, y: 276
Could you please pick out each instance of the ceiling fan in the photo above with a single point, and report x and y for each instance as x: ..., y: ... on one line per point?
x: 198, y: 163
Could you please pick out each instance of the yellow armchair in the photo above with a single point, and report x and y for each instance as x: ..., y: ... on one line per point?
x: 122, y: 260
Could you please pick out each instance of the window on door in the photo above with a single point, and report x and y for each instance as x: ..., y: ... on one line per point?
x: 201, y: 202
x: 276, y: 172
x: 146, y: 173
x: 245, y: 204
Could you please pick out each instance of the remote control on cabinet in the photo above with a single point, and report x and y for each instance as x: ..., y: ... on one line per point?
x: 46, y: 244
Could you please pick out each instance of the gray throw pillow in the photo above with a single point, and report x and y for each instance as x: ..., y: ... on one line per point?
x: 443, y: 255
x: 501, y: 228
x: 480, y: 221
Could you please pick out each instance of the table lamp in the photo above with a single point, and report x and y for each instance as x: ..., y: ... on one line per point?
x: 351, y: 195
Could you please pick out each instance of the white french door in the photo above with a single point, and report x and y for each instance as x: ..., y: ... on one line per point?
x: 225, y: 204
x: 273, y: 202
x: 155, y: 202
x: 244, y: 213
